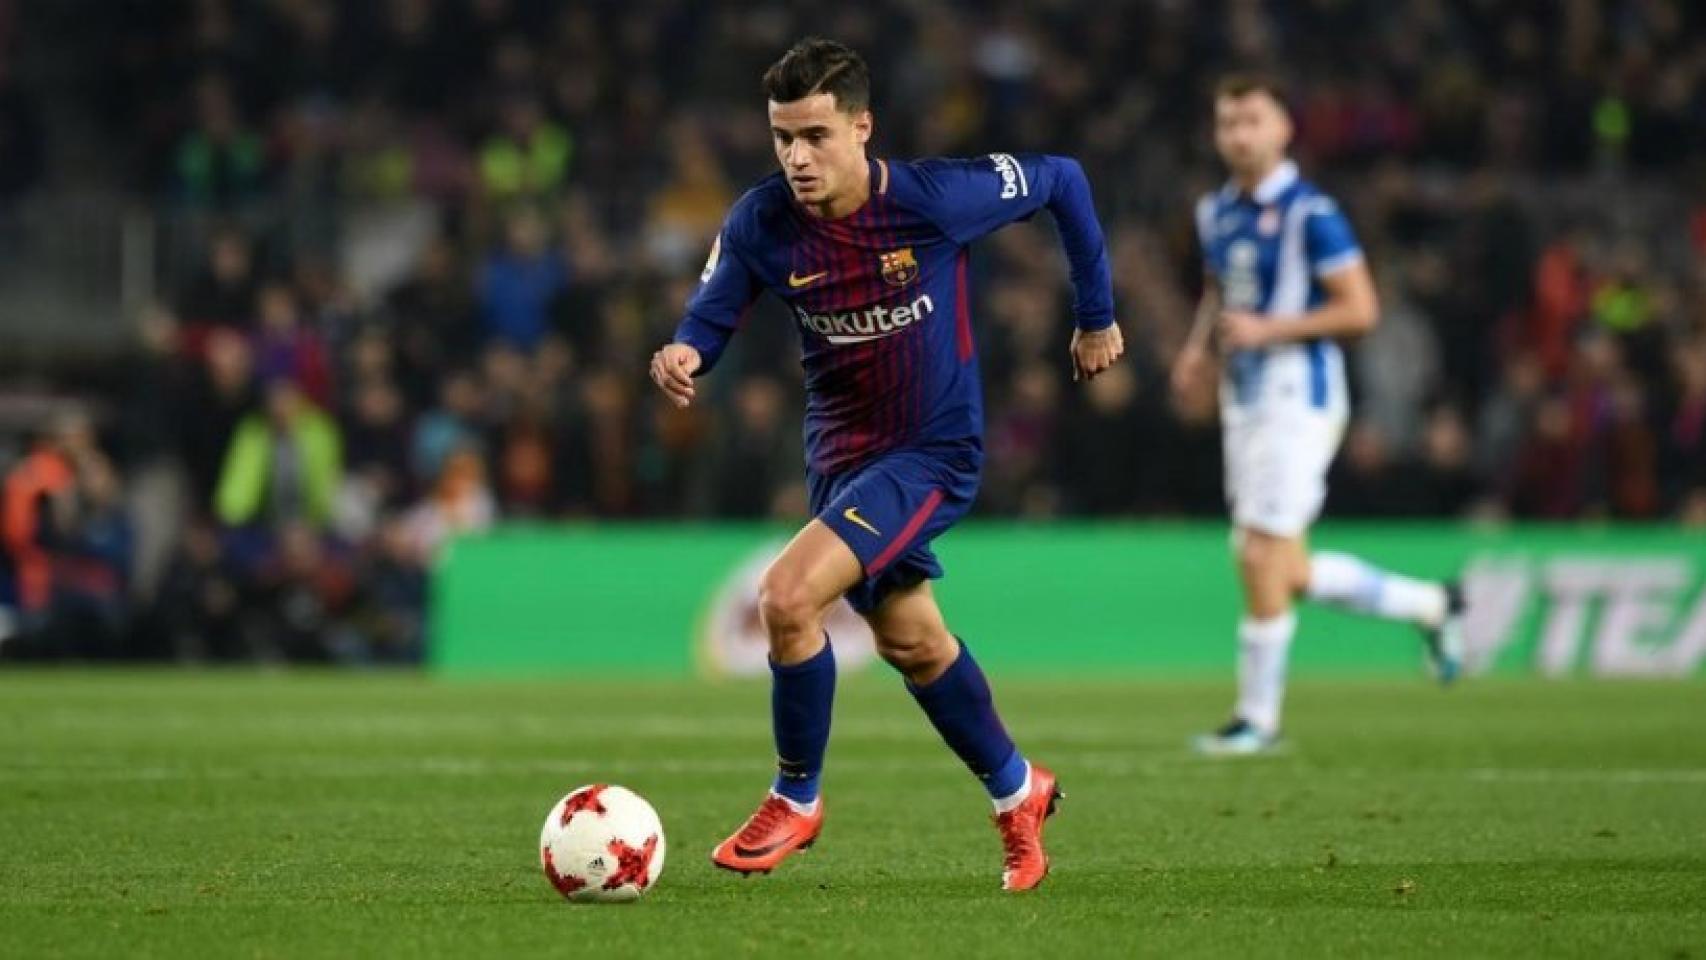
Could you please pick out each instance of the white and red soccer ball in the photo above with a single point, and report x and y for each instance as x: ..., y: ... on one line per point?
x: 602, y: 844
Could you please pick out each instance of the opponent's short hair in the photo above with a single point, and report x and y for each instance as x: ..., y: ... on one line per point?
x: 1244, y: 83
x: 815, y: 65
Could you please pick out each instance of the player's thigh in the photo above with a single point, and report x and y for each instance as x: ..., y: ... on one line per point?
x: 809, y: 574
x: 897, y: 504
x: 1277, y: 471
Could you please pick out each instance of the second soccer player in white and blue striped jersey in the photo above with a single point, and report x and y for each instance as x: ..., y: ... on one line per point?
x: 1284, y: 279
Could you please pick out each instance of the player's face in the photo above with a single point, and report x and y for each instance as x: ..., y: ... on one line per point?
x: 1251, y: 132
x: 821, y: 148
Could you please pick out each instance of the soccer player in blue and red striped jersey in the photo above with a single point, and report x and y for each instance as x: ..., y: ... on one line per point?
x: 870, y: 257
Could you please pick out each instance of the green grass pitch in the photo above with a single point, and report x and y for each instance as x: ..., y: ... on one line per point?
x: 254, y: 815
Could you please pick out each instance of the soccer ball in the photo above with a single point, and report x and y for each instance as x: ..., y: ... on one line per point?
x: 602, y: 844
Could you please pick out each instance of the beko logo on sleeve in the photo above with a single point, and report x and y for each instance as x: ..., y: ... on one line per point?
x: 1013, y: 183
x: 711, y: 261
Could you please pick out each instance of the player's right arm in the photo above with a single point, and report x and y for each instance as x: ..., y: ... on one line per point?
x: 1196, y: 357
x: 727, y: 288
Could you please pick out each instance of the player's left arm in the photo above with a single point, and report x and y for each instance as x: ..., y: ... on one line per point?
x: 972, y: 198
x: 1351, y: 308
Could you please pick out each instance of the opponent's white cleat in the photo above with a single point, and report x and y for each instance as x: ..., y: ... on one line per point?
x: 1446, y: 642
x: 1237, y: 739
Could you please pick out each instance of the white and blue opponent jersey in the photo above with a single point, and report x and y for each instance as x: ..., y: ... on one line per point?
x: 1268, y: 251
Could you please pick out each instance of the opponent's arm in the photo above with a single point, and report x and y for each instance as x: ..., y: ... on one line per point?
x: 1351, y: 306
x: 1197, y: 353
x: 1351, y: 310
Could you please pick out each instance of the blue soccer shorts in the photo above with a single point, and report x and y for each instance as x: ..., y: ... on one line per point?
x: 890, y: 508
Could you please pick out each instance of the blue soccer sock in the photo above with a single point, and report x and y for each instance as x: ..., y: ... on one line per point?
x: 801, y: 697
x: 962, y: 709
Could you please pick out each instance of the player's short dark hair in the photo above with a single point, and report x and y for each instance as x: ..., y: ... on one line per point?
x: 1246, y: 82
x: 815, y: 65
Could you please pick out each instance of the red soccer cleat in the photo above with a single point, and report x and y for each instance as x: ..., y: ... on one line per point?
x: 1026, y: 863
x: 768, y: 837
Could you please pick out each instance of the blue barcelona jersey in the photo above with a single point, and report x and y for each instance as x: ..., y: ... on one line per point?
x: 879, y: 297
x: 1267, y: 251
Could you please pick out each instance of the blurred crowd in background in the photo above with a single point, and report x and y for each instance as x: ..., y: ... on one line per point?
x: 415, y: 253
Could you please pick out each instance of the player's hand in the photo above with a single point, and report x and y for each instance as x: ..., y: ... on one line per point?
x: 1095, y: 351
x: 1243, y: 330
x: 673, y: 367
x: 1191, y: 365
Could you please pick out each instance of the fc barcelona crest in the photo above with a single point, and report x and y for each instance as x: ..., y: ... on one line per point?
x: 899, y: 267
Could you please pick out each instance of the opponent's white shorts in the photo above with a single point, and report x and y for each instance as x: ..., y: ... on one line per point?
x: 1277, y: 457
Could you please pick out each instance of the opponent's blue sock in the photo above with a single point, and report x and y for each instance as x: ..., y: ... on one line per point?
x: 960, y: 706
x: 801, y: 697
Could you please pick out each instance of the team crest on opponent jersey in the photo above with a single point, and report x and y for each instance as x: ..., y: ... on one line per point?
x: 899, y: 266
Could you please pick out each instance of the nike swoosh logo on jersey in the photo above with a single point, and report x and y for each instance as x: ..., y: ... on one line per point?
x: 796, y: 281
x: 852, y: 515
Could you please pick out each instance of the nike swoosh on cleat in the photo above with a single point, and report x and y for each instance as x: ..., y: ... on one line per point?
x: 741, y: 851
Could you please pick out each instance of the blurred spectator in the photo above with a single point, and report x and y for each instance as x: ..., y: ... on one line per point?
x: 157, y: 397
x: 286, y: 349
x: 528, y: 156
x: 526, y: 463
x: 284, y: 465
x: 761, y: 455
x: 223, y: 293
x: 377, y: 440
x: 1684, y: 439
x: 1398, y: 366
x: 1018, y: 475
x: 1365, y: 481
x: 300, y: 593
x: 22, y: 159
x: 519, y: 281
x: 67, y: 541
x: 1446, y: 474
x: 1106, y: 445
x: 201, y: 601
x: 459, y: 502
x: 1545, y: 481
x: 219, y: 162
x: 432, y: 320
x: 457, y: 422
x: 688, y: 209
x: 222, y: 392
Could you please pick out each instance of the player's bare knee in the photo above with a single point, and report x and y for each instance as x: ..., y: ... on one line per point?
x: 918, y: 653
x: 786, y: 604
x: 1256, y: 554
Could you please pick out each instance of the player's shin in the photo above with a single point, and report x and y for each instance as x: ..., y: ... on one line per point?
x: 961, y: 707
x: 802, y: 696
x: 1264, y: 645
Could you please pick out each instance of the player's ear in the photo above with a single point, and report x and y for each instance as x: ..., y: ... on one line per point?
x: 863, y: 124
